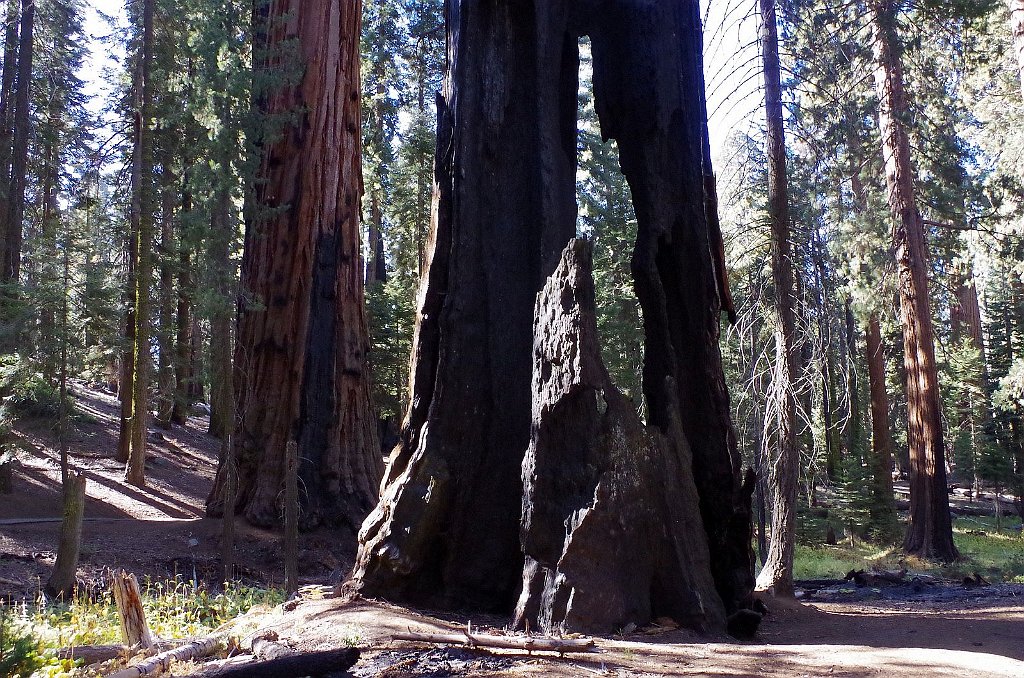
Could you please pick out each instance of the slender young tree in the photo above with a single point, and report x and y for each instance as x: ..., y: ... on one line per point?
x: 301, y: 350
x: 930, y: 533
x: 142, y: 200
x: 777, y: 573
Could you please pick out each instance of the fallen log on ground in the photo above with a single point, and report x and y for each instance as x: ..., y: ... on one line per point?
x: 91, y: 654
x: 527, y: 643
x: 290, y: 666
x: 154, y: 666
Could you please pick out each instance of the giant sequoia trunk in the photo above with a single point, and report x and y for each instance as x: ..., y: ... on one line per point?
x: 300, y: 355
x: 930, y: 533
x: 505, y: 171
x: 784, y: 467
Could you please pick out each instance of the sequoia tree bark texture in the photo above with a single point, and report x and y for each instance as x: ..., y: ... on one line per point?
x: 445, y: 531
x: 930, y: 533
x: 300, y: 356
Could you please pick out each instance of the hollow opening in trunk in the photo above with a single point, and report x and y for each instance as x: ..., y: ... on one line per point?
x: 605, y: 216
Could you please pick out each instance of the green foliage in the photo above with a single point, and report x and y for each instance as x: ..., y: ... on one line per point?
x: 30, y: 394
x: 21, y: 652
x: 174, y: 609
x: 996, y: 554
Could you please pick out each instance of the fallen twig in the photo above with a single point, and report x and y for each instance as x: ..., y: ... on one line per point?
x: 527, y: 643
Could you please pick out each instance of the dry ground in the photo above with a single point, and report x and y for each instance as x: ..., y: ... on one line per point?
x: 160, y: 531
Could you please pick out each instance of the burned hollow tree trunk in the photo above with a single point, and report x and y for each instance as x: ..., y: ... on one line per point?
x: 611, y: 522
x: 301, y: 350
x: 649, y: 90
x: 505, y: 172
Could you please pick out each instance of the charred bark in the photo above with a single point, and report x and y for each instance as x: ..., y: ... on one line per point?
x: 611, y: 521
x: 300, y: 357
x: 505, y: 168
x: 505, y: 171
x: 930, y: 533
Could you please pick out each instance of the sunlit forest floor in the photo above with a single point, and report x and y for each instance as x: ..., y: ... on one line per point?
x: 160, y: 534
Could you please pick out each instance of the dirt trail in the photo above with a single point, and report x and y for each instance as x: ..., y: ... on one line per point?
x: 159, y: 531
x: 820, y: 639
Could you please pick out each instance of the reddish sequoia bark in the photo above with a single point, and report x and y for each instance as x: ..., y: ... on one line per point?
x: 883, y: 509
x: 777, y: 573
x: 505, y: 170
x: 300, y: 356
x: 930, y: 533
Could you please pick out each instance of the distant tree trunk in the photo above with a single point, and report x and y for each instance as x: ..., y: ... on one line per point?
x: 165, y: 338
x: 784, y: 468
x: 301, y: 352
x: 930, y: 533
x: 965, y: 316
x: 135, y: 470
x: 1017, y: 29
x: 854, y: 423
x: 7, y: 128
x: 505, y: 172
x: 222, y: 402
x: 376, y: 270
x: 10, y: 268
x: 883, y: 508
x: 183, y: 363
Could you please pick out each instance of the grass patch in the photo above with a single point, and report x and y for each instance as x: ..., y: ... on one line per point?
x: 174, y: 609
x: 996, y: 554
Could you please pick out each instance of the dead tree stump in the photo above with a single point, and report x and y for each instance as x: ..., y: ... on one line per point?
x: 134, y: 628
x: 611, y: 524
x: 62, y: 579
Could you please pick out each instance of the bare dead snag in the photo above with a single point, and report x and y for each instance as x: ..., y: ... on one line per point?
x: 134, y: 629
